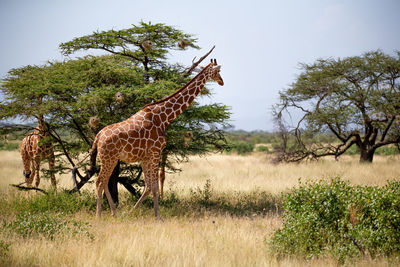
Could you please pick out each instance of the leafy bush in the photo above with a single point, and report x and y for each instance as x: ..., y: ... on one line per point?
x: 202, y: 196
x: 387, y: 150
x: 46, y: 225
x: 263, y: 149
x: 4, y: 248
x: 353, y: 150
x: 242, y: 147
x: 8, y: 146
x: 55, y: 202
x: 205, y: 199
x: 341, y: 220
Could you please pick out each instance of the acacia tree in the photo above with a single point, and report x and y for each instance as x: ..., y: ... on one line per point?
x: 355, y: 99
x: 109, y: 89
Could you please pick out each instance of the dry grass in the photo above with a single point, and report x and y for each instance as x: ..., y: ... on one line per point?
x: 147, y: 242
x: 190, y: 241
x: 232, y: 172
x: 239, y: 173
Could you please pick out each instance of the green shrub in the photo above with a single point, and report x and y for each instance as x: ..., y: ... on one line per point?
x: 4, y: 253
x: 340, y: 220
x: 202, y: 196
x: 242, y: 147
x: 55, y: 202
x: 46, y: 225
x: 8, y: 146
x: 263, y: 149
x: 353, y: 150
x: 205, y: 199
x: 387, y: 150
x: 4, y: 249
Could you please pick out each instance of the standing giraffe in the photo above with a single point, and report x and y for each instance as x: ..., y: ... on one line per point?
x: 33, y: 152
x: 141, y: 138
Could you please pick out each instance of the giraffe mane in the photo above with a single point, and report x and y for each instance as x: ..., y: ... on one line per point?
x: 183, y: 87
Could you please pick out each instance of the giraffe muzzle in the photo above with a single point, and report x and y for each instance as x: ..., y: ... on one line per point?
x: 27, y: 175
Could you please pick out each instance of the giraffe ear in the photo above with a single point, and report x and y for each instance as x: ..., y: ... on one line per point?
x: 218, y: 68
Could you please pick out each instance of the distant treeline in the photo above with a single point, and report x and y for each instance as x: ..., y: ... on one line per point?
x: 240, y: 141
x: 243, y: 142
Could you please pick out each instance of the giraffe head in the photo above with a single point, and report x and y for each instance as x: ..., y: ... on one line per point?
x: 215, y: 76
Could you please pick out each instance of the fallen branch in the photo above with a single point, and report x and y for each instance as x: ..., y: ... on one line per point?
x: 27, y: 188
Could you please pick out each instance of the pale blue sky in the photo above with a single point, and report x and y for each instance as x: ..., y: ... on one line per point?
x: 258, y: 43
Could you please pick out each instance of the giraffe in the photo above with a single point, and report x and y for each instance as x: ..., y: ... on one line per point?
x: 32, y: 153
x: 141, y: 138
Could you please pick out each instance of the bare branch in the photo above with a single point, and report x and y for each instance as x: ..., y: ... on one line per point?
x: 384, y: 133
x: 195, y: 64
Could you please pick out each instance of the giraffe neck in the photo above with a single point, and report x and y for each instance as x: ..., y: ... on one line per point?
x: 41, y: 126
x: 180, y: 101
x: 173, y: 105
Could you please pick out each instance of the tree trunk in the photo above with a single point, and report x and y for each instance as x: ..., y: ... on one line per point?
x: 366, y: 155
x: 113, y: 183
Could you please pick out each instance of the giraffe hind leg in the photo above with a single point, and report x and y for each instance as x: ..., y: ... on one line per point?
x: 110, y: 201
x: 150, y: 169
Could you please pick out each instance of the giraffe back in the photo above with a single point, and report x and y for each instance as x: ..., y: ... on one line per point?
x: 131, y: 140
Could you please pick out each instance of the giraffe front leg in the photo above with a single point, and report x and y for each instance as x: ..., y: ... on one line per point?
x: 37, y: 172
x: 26, y: 161
x: 163, y: 164
x: 150, y: 170
x: 29, y: 173
x: 155, y: 192
x: 162, y: 179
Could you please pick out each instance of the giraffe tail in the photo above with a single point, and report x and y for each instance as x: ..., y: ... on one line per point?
x: 93, y: 156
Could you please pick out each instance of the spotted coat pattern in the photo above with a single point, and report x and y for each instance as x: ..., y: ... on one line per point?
x: 141, y: 138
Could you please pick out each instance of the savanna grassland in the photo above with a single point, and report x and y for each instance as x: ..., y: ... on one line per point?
x: 220, y: 210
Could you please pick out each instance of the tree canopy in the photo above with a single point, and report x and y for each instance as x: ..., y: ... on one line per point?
x: 356, y: 99
x: 147, y: 44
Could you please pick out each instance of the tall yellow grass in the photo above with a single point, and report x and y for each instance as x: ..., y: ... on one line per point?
x: 233, y: 172
x: 188, y: 241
